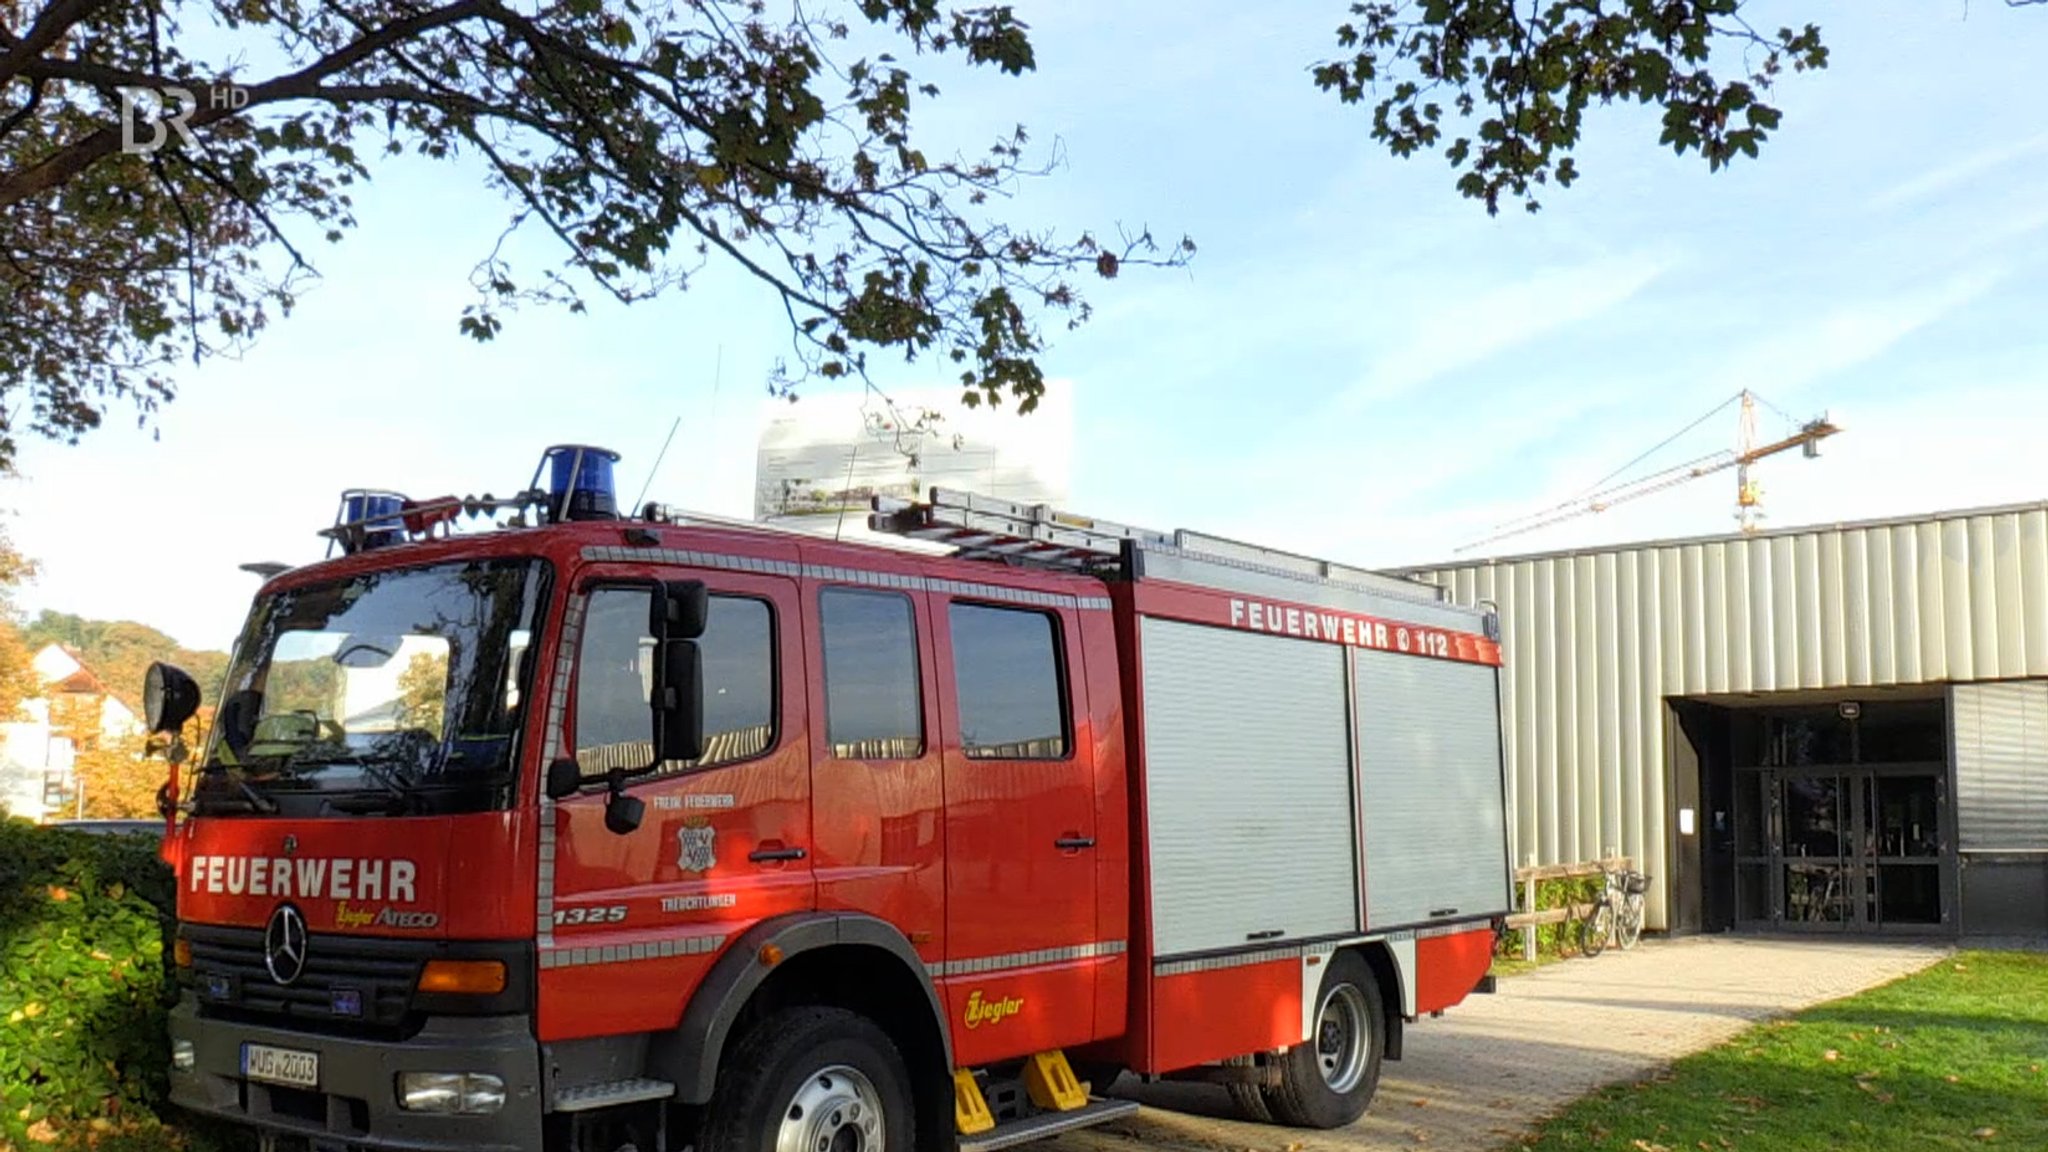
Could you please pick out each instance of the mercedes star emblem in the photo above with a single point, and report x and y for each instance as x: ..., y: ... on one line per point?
x: 284, y: 945
x: 291, y: 845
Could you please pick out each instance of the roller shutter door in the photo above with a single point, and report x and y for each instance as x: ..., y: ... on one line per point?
x: 1248, y: 794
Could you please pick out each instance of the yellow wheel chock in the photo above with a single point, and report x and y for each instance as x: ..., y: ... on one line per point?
x: 1052, y: 1083
x: 970, y: 1111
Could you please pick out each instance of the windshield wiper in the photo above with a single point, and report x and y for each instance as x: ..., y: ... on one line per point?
x: 389, y: 774
x: 257, y: 801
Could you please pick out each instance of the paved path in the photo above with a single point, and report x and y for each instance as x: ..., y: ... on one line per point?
x: 1477, y: 1077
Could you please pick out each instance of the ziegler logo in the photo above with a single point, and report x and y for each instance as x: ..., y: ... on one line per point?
x: 386, y: 917
x: 981, y: 1011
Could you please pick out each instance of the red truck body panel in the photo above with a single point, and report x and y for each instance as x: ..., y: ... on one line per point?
x: 1024, y: 886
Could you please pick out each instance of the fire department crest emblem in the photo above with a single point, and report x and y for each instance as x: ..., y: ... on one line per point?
x: 697, y: 852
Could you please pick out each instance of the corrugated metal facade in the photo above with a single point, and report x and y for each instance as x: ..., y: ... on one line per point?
x: 1595, y: 642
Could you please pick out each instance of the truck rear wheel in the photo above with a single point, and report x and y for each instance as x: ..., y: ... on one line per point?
x: 811, y: 1080
x: 1247, y: 1097
x: 1328, y: 1080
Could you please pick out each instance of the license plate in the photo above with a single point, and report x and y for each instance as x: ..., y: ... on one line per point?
x: 281, y: 1065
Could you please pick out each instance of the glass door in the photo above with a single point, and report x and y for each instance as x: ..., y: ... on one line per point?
x: 1904, y: 813
x: 1756, y: 816
x: 1819, y: 870
x: 1842, y: 824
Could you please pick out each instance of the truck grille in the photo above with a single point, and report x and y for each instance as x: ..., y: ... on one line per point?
x: 349, y: 982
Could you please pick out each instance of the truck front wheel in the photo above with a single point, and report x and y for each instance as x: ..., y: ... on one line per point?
x: 811, y: 1080
x: 1328, y: 1080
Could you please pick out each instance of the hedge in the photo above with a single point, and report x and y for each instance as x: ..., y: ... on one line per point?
x: 1560, y: 939
x: 84, y: 984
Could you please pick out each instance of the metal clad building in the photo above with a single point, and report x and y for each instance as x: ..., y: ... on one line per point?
x: 1799, y: 728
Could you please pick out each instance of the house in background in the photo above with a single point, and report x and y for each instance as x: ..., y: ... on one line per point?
x: 37, y: 780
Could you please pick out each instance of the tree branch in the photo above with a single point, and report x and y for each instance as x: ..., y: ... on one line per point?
x: 21, y: 115
x: 60, y: 17
x: 70, y: 161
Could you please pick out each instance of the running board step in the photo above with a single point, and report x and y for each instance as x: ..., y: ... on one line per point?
x: 1048, y: 1124
x: 585, y: 1097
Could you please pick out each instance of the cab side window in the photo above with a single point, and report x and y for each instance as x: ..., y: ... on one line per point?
x: 614, y: 722
x: 614, y: 719
x: 1006, y: 676
x: 874, y: 709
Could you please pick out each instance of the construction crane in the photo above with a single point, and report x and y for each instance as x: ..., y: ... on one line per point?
x: 1748, y: 493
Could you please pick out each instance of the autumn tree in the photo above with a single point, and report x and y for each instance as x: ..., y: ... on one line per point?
x: 120, y: 652
x: 18, y: 679
x: 642, y: 138
x: 1502, y: 87
x: 423, y: 692
x: 114, y: 778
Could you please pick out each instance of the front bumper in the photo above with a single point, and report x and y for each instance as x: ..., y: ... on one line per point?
x: 356, y: 1103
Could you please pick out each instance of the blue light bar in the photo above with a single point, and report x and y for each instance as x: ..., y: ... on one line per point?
x: 580, y: 482
x: 375, y: 514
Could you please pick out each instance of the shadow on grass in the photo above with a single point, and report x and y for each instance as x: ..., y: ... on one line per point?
x: 1953, y: 1057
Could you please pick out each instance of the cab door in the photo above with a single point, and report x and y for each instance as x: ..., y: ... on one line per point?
x: 1022, y: 933
x: 637, y: 917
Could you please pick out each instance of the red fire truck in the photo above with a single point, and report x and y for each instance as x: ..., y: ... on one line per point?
x: 597, y: 830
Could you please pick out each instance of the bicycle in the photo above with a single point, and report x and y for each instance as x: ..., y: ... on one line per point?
x: 1618, y: 915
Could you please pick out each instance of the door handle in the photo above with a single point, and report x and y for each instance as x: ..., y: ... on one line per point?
x: 1074, y: 843
x: 775, y: 855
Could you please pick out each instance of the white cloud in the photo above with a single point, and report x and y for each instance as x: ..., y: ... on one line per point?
x: 1966, y: 170
x: 1459, y: 329
x: 1846, y: 335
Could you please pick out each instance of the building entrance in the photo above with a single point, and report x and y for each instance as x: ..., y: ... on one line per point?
x: 1830, y: 817
x: 1840, y: 848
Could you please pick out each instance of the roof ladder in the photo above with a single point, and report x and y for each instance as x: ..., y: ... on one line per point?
x: 986, y: 527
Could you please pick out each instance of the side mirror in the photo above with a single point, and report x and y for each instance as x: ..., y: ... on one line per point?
x: 169, y: 697
x: 681, y: 610
x: 564, y: 778
x: 237, y: 720
x: 679, y: 702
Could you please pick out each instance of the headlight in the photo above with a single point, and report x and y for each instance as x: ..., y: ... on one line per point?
x: 450, y: 1092
x: 183, y: 1058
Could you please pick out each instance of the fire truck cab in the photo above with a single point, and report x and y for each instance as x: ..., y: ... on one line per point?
x: 597, y: 831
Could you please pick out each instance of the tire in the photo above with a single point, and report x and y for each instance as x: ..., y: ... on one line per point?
x: 1630, y: 929
x: 1250, y: 1099
x: 1250, y: 1102
x: 1594, y: 929
x: 1328, y: 1080
x: 811, y: 1080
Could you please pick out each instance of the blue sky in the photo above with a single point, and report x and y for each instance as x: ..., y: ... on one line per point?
x: 1358, y: 364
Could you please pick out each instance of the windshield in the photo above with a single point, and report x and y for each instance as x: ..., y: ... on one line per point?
x: 395, y: 691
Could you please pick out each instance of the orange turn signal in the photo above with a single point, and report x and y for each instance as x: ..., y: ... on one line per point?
x: 181, y: 953
x: 464, y: 977
x: 770, y: 955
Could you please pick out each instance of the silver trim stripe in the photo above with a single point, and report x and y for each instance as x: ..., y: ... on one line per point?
x: 983, y: 964
x: 1019, y: 595
x: 892, y: 580
x: 567, y: 957
x: 1434, y: 930
x: 1237, y: 959
x: 692, y: 559
x: 552, y: 737
x: 1301, y: 951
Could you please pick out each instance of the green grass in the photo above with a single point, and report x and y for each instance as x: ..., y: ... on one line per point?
x: 1953, y: 1057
